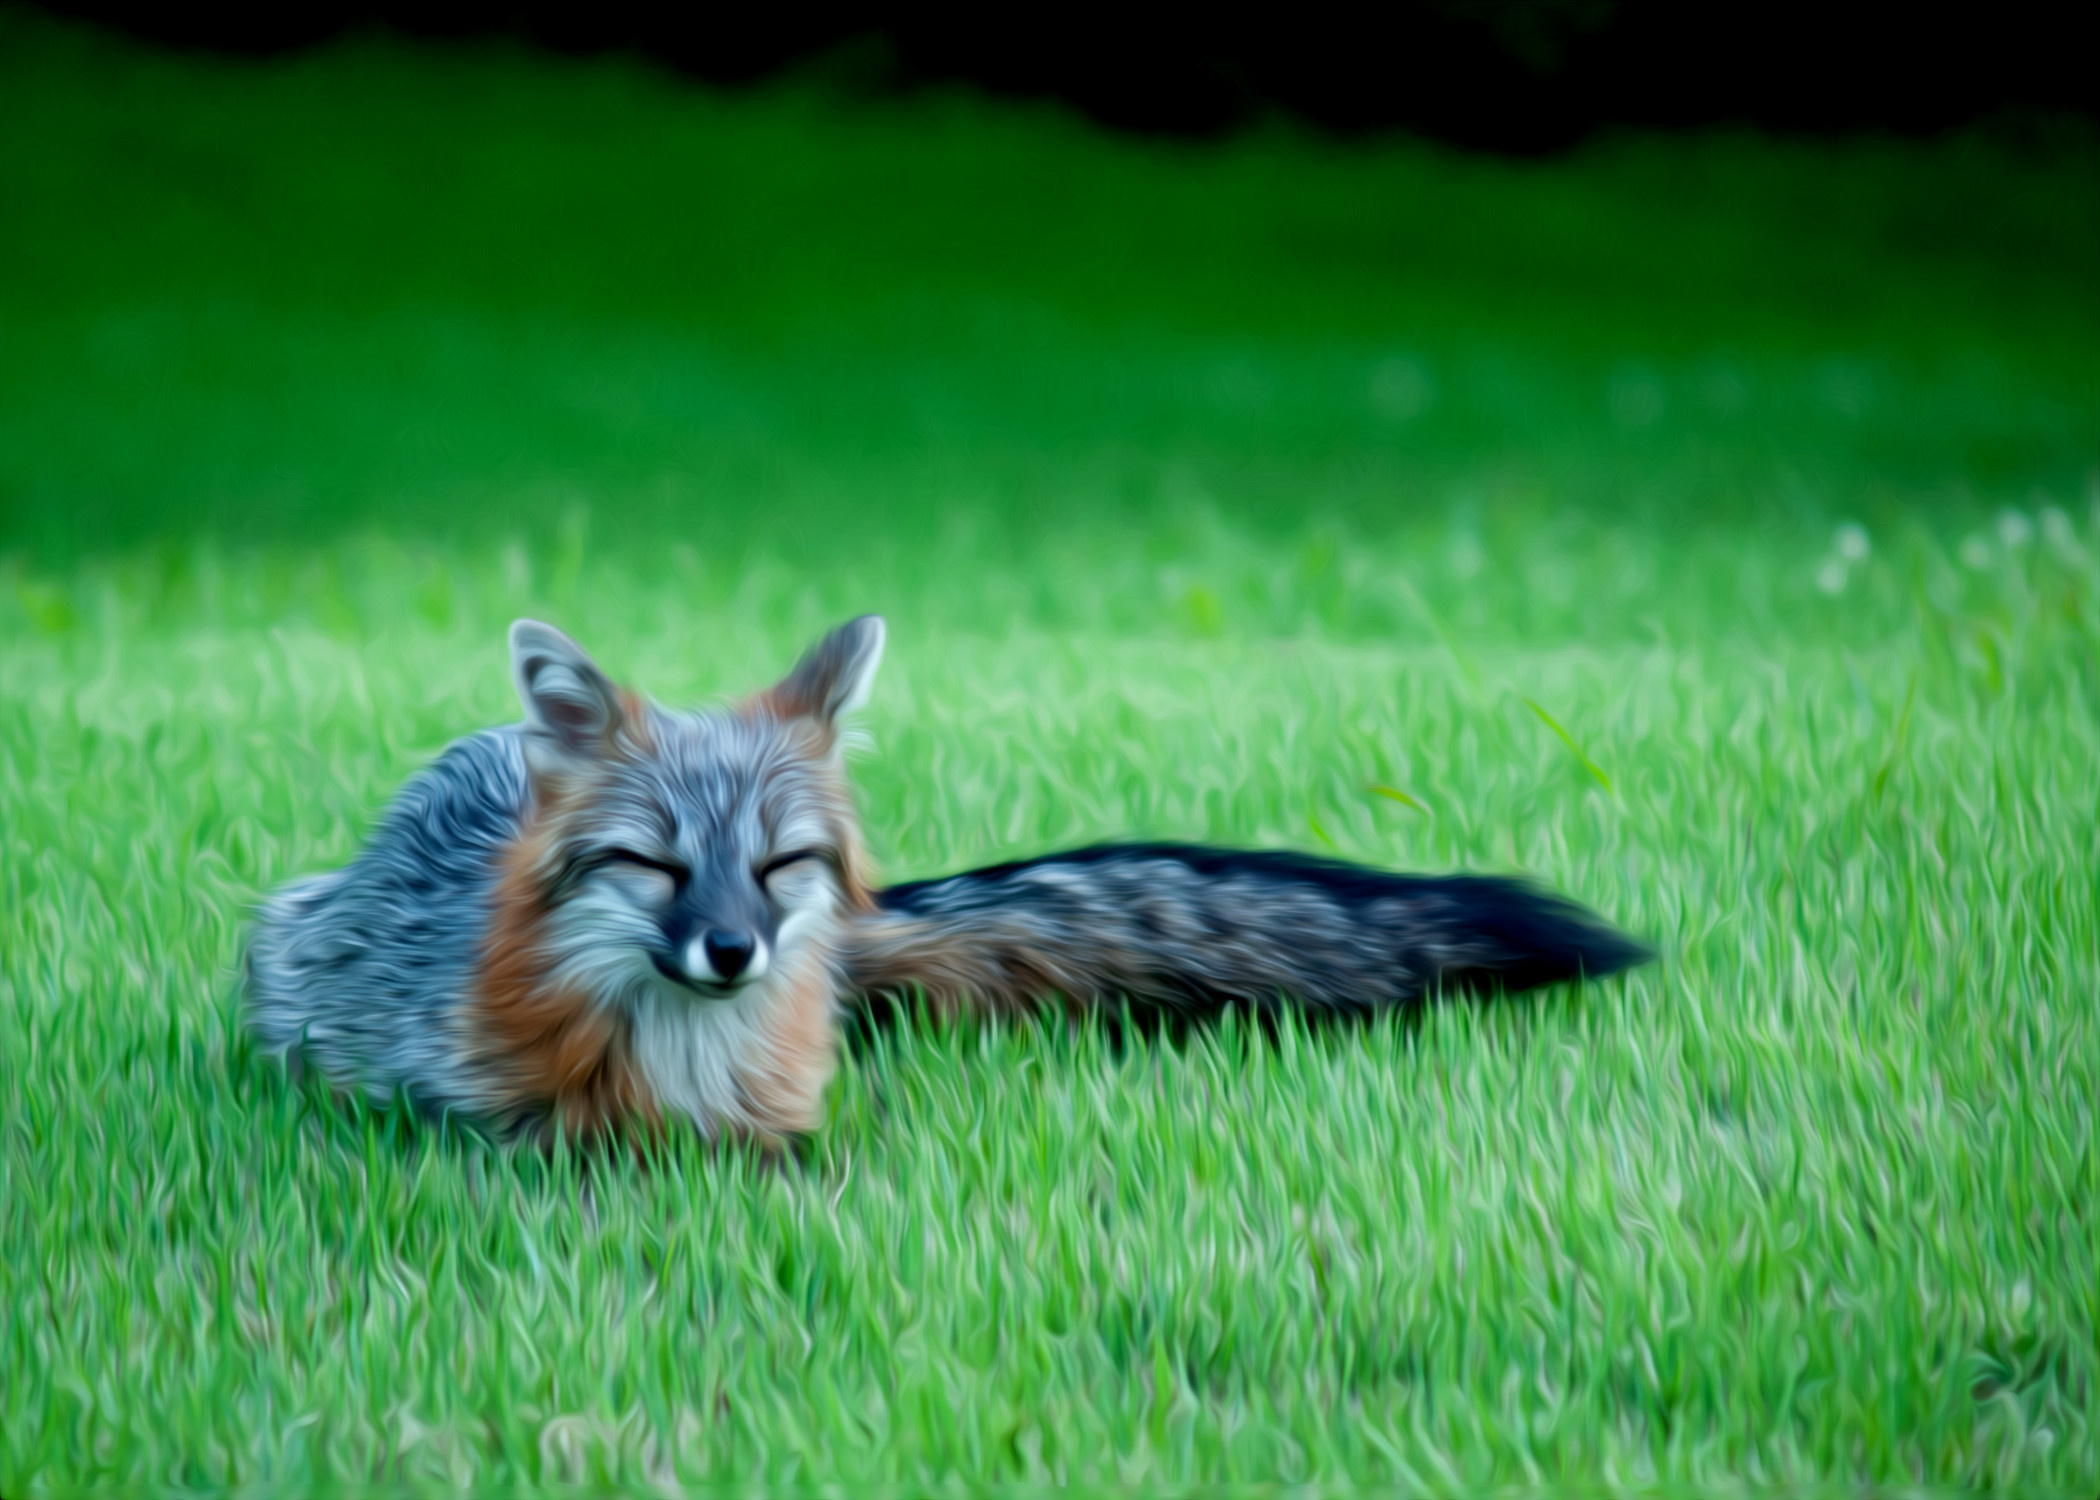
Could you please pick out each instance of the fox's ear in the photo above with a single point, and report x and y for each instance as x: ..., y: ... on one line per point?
x: 835, y: 675
x: 572, y: 711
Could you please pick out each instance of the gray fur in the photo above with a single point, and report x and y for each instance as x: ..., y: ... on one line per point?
x: 362, y: 970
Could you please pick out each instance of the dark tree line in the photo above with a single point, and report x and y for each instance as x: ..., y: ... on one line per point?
x: 1519, y: 75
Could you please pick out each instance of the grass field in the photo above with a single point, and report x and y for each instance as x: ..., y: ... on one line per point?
x: 1709, y: 527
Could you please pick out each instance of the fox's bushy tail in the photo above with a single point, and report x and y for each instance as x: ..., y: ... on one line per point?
x: 1195, y: 928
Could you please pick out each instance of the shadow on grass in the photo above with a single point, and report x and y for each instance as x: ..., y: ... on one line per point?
x: 868, y: 1017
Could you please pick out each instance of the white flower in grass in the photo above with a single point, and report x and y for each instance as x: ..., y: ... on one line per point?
x: 2061, y: 535
x: 1467, y: 559
x: 2014, y: 529
x: 1975, y: 552
x: 1849, y: 547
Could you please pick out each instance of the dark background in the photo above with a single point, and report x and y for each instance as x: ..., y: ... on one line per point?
x: 1511, y: 75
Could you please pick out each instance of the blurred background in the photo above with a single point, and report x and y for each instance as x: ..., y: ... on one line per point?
x: 604, y: 273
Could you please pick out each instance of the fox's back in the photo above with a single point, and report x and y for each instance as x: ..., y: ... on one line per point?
x: 363, y: 968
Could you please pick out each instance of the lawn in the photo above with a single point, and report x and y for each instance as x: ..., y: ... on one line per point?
x: 1709, y: 527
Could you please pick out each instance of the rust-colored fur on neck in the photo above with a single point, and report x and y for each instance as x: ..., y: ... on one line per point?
x: 550, y: 1049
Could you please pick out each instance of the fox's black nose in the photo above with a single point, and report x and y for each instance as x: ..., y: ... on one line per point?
x: 729, y: 953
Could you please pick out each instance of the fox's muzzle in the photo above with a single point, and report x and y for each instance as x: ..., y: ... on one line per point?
x: 718, y: 937
x: 719, y: 956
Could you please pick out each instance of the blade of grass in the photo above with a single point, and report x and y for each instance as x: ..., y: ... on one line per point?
x: 1573, y: 749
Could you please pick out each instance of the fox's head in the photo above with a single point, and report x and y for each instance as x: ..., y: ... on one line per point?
x: 688, y: 857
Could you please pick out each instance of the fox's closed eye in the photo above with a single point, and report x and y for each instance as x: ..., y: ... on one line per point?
x: 644, y: 877
x: 791, y: 865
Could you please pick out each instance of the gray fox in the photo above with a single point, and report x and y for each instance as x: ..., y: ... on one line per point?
x: 620, y: 915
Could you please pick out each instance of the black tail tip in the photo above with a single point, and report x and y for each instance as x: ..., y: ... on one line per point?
x: 1526, y: 937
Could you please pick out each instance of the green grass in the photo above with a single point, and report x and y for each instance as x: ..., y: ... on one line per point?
x: 1207, y: 490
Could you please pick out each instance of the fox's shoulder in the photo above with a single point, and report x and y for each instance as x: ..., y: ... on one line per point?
x: 463, y: 806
